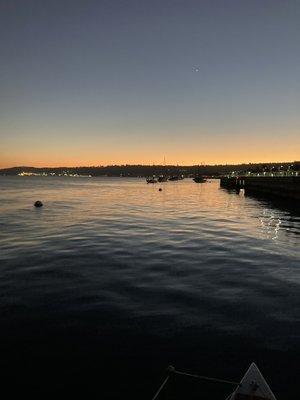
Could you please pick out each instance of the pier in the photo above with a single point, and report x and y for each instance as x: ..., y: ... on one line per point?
x: 285, y: 187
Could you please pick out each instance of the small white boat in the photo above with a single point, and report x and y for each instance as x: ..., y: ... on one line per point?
x: 252, y: 387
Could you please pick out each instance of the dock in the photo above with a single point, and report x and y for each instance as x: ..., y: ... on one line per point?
x: 285, y: 187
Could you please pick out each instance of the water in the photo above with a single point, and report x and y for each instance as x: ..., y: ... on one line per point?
x: 112, y: 280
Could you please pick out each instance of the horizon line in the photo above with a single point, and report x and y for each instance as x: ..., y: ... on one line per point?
x: 150, y: 165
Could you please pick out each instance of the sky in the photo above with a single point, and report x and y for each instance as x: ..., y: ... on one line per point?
x: 97, y: 82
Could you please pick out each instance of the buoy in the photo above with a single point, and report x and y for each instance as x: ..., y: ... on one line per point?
x: 38, y: 204
x: 160, y: 189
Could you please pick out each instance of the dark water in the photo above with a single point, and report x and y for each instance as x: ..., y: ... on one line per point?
x: 112, y: 280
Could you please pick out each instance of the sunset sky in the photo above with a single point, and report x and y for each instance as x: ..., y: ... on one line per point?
x: 96, y: 82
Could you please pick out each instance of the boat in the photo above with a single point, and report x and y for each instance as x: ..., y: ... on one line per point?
x: 176, y: 178
x: 199, y: 179
x: 252, y: 387
x: 151, y: 180
x: 162, y: 178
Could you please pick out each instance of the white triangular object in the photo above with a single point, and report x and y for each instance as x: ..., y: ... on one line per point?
x: 253, y: 386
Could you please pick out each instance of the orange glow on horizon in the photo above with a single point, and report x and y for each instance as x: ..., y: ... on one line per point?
x: 87, y: 162
x: 202, y: 150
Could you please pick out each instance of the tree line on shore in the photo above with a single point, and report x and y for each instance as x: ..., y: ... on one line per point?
x: 149, y: 170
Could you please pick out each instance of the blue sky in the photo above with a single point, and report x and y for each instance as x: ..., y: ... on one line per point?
x: 100, y: 82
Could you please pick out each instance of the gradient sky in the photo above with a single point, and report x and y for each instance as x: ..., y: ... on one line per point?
x: 95, y: 82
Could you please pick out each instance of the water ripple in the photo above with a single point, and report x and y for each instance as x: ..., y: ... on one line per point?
x: 189, y: 257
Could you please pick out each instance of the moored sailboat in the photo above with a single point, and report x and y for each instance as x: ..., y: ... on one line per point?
x: 199, y: 179
x: 162, y: 178
x: 151, y: 180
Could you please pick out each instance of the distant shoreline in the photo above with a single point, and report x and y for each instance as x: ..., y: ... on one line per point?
x: 149, y: 170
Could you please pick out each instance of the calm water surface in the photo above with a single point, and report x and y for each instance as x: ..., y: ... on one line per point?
x: 112, y: 280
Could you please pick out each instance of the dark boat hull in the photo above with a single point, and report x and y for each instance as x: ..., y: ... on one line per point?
x: 199, y: 179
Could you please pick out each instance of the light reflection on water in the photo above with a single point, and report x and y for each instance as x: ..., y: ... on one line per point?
x: 270, y: 224
x: 192, y: 257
